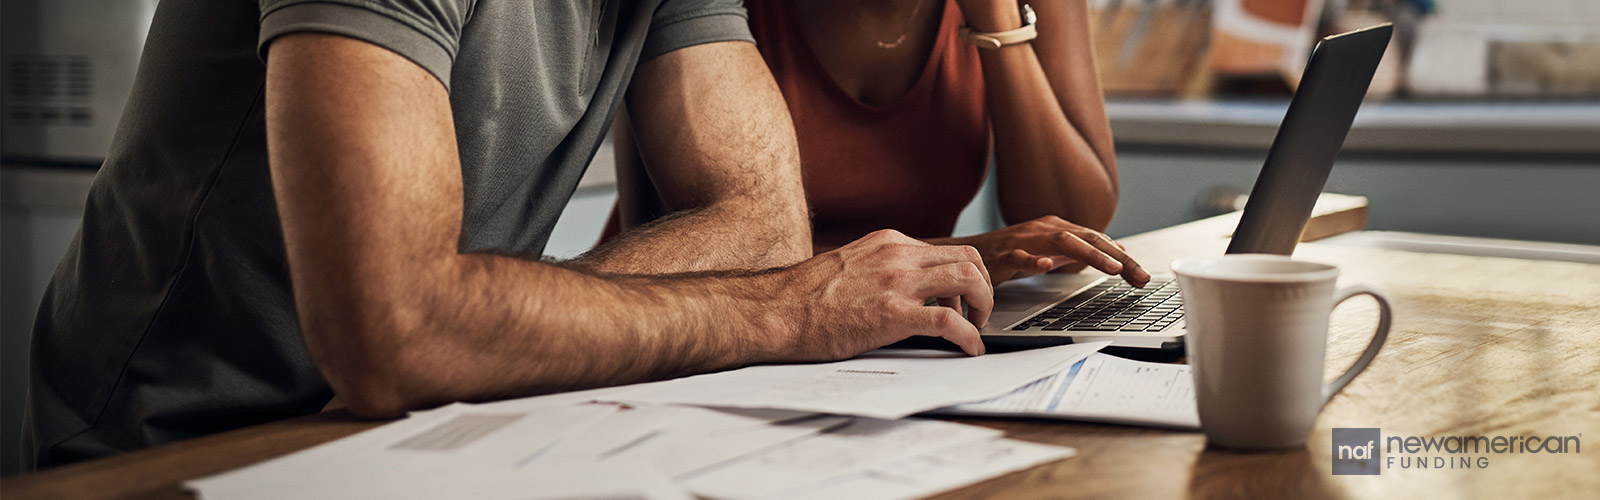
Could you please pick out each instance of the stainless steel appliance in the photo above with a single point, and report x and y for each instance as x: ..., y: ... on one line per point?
x: 67, y: 68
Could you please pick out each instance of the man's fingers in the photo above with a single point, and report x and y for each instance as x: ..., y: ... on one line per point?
x: 971, y: 254
x: 937, y: 255
x: 948, y: 324
x: 961, y: 279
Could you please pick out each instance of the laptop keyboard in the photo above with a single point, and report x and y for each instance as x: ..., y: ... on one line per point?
x: 1113, y: 306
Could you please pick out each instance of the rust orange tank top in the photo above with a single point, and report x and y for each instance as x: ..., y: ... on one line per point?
x: 909, y: 165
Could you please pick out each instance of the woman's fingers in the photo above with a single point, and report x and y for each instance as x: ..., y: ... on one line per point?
x: 1071, y: 266
x: 1091, y: 248
x: 1070, y: 245
x: 1130, y: 269
x: 1018, y: 263
x: 1049, y: 243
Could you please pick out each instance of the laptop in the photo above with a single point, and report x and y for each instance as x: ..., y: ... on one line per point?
x: 1060, y: 308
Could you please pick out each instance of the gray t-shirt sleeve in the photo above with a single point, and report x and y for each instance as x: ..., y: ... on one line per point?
x: 428, y: 32
x: 684, y: 23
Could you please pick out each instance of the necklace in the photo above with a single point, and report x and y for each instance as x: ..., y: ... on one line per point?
x: 905, y: 28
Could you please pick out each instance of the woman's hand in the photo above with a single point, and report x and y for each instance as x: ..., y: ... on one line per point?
x: 1048, y: 243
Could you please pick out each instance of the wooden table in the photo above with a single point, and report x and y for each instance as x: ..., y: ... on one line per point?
x: 1480, y: 346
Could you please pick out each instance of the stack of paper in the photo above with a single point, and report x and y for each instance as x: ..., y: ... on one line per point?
x: 602, y: 450
x: 827, y: 430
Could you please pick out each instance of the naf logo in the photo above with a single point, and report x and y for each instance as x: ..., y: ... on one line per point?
x: 1355, y: 451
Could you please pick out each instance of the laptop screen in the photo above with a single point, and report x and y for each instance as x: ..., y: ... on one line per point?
x: 1302, y: 154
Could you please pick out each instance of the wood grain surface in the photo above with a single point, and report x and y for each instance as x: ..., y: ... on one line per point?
x: 1480, y: 346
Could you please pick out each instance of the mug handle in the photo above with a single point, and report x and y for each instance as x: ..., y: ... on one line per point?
x: 1378, y: 337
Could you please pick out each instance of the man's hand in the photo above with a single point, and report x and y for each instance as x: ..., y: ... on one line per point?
x: 874, y: 291
x: 1048, y: 243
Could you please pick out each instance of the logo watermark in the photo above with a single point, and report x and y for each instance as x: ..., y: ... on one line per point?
x: 1364, y: 451
x: 1355, y: 451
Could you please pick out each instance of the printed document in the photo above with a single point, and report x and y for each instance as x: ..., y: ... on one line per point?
x: 557, y: 448
x: 826, y: 430
x: 705, y: 438
x: 942, y: 470
x: 884, y: 384
x: 861, y: 445
x: 1102, y: 388
x: 452, y: 452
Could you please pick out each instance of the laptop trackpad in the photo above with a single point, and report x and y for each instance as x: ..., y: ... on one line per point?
x: 1019, y: 300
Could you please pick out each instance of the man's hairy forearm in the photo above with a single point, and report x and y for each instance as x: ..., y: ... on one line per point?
x: 733, y: 235
x: 573, y: 330
x: 369, y: 193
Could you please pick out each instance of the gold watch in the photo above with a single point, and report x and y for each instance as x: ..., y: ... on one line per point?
x: 999, y: 39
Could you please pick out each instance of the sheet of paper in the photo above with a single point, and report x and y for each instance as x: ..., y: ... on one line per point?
x: 691, y: 449
x: 614, y: 434
x: 612, y: 480
x: 862, y: 445
x: 680, y: 440
x: 429, y: 455
x: 446, y: 452
x: 531, y: 403
x: 885, y: 385
x: 591, y: 481
x: 1102, y: 388
x: 945, y: 469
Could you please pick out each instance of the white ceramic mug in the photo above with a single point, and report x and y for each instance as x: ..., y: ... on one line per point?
x: 1257, y: 340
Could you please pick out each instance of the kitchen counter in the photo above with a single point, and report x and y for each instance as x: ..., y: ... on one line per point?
x: 1559, y: 127
x: 33, y: 186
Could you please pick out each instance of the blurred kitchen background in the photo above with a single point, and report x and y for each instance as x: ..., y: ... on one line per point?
x: 1481, y: 133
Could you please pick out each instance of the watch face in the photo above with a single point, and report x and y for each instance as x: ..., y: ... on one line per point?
x: 1028, y: 17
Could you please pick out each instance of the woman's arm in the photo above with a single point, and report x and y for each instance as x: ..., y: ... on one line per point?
x: 1052, y: 139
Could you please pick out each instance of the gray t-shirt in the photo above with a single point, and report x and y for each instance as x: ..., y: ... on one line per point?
x: 171, y: 315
